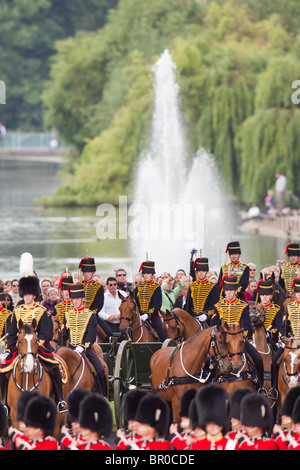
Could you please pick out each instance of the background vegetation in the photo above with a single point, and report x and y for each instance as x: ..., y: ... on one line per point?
x: 236, y: 62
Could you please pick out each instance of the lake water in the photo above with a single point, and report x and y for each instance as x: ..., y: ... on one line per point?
x: 58, y: 237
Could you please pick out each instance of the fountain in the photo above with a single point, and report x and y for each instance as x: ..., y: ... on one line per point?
x: 178, y: 200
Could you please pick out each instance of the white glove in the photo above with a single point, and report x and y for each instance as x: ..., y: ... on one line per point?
x: 202, y: 317
x: 144, y: 316
x: 79, y: 350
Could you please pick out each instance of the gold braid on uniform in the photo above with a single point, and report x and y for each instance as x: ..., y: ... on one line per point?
x: 293, y: 309
x: 91, y: 289
x: 61, y: 309
x: 4, y: 314
x: 231, y: 312
x: 28, y: 314
x: 234, y: 269
x: 77, y: 322
x: 289, y: 272
x: 145, y: 292
x: 199, y: 293
x: 271, y: 312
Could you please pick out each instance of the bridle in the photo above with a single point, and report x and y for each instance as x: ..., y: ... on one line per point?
x: 21, y: 359
x: 177, y: 327
x: 218, y: 357
x: 284, y: 365
x: 129, y: 330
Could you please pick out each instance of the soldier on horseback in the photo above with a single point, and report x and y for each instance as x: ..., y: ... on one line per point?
x: 202, y: 294
x: 80, y: 328
x: 236, y: 268
x: 29, y: 290
x: 149, y: 298
x: 290, y: 270
x: 273, y: 312
x: 234, y: 310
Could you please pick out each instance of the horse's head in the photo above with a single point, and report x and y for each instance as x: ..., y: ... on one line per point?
x: 128, y: 310
x: 234, y: 345
x: 172, y: 324
x: 27, y: 345
x: 257, y: 314
x: 291, y: 361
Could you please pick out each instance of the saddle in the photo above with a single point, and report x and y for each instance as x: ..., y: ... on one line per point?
x: 151, y: 330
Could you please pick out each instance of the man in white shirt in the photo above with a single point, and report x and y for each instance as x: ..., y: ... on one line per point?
x: 110, y: 312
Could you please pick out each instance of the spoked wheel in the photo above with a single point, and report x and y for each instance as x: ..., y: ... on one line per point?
x: 125, y: 379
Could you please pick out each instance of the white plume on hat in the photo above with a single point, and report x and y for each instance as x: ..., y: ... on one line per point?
x: 26, y: 265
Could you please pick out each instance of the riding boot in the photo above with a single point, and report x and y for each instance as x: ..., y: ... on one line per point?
x: 61, y: 404
x: 273, y: 392
x: 3, y: 388
x: 101, y: 379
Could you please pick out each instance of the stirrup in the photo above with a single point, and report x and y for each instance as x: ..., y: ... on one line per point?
x: 273, y: 393
x: 62, y: 406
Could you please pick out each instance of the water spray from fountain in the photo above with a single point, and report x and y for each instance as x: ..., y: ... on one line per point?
x: 179, y: 198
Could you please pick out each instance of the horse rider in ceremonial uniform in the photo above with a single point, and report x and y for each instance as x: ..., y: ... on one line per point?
x: 62, y: 307
x: 148, y: 297
x: 29, y: 289
x: 290, y: 270
x: 274, y: 315
x: 235, y: 268
x: 5, y: 317
x: 290, y: 328
x: 94, y: 292
x: 202, y: 294
x: 80, y: 328
x: 231, y: 309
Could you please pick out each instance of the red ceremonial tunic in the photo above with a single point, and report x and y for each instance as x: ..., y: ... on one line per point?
x: 154, y: 444
x: 124, y: 442
x: 258, y: 443
x: 95, y: 445
x: 219, y: 443
x: 180, y: 441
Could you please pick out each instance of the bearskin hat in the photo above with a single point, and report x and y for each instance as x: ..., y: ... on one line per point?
x: 289, y: 401
x: 29, y: 285
x: 235, y: 401
x: 193, y: 416
x: 74, y: 399
x: 23, y: 401
x: 132, y: 400
x: 153, y: 410
x: 40, y: 412
x: 296, y: 411
x: 212, y: 404
x: 95, y: 414
x: 256, y: 411
x: 185, y: 401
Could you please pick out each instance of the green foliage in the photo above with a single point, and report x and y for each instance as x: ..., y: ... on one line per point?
x: 236, y: 62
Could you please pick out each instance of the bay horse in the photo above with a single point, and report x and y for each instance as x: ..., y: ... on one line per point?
x: 131, y: 323
x: 175, y: 369
x: 179, y: 324
x: 81, y: 371
x: 259, y: 340
x: 289, y: 367
x: 30, y: 373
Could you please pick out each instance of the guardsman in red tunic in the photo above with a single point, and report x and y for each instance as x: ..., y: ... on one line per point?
x: 256, y: 416
x: 148, y: 297
x: 202, y: 294
x: 237, y: 429
x: 96, y: 422
x: 293, y: 439
x: 212, y: 404
x: 153, y: 418
x: 282, y: 431
x: 181, y: 441
x: 132, y: 400
x: 72, y: 437
x: 40, y: 419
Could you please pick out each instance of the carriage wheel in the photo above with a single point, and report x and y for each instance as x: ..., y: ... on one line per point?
x: 125, y: 379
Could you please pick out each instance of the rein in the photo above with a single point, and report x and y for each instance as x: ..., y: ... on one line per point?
x: 21, y: 371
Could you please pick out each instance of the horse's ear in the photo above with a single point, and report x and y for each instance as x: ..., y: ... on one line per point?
x: 34, y: 324
x: 273, y: 277
x: 20, y: 324
x: 120, y: 295
x: 131, y: 294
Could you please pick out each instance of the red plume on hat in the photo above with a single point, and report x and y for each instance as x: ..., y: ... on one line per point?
x: 257, y: 287
x: 287, y: 247
x: 226, y: 276
x: 141, y: 267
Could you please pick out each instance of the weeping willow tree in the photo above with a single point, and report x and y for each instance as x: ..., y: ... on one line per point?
x: 269, y: 140
x: 235, y: 71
